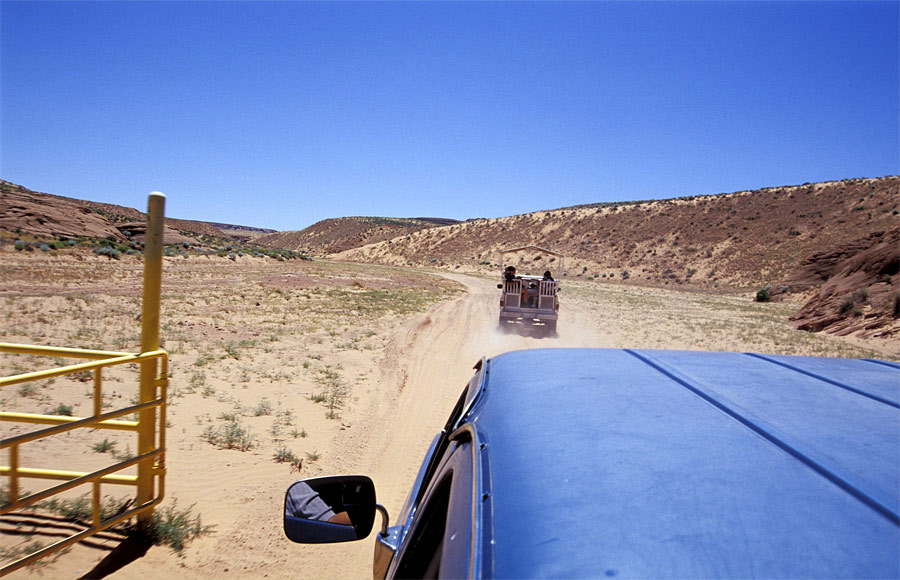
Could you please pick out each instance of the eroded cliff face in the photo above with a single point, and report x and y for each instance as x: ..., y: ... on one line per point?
x: 860, y: 287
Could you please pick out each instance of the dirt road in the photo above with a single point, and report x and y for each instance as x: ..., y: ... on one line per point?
x: 424, y: 371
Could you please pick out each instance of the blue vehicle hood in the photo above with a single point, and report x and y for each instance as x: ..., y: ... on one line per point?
x: 665, y: 464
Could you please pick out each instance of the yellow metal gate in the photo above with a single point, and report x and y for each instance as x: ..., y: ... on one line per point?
x: 150, y: 410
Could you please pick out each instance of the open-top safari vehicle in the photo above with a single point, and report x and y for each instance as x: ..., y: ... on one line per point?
x: 527, y: 302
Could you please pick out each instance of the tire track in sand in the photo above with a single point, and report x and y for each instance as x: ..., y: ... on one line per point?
x: 424, y: 370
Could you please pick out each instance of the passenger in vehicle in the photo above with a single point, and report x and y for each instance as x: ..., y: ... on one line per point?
x: 509, y: 277
x: 529, y: 295
x: 548, y: 277
x: 304, y: 502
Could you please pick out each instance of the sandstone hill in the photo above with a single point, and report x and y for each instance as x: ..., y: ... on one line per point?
x: 765, y: 238
x: 44, y: 214
x: 833, y: 244
x: 742, y: 239
x: 332, y: 236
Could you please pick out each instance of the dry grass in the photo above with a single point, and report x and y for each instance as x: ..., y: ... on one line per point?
x: 251, y: 343
x: 656, y: 318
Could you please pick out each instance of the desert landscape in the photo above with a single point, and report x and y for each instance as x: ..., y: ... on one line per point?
x: 283, y: 368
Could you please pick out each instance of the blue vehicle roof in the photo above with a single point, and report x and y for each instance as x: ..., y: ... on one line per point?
x: 680, y: 464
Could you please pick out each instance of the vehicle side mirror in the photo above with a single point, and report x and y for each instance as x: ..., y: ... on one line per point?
x: 500, y: 286
x: 325, y: 510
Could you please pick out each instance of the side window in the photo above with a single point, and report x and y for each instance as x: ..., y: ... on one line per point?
x: 437, y: 451
x: 457, y: 410
x: 439, y: 541
x: 443, y: 444
x: 422, y: 556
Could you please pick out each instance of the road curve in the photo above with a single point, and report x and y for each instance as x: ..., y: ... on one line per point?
x: 424, y: 370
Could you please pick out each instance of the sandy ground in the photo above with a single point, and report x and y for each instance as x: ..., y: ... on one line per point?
x: 403, y: 377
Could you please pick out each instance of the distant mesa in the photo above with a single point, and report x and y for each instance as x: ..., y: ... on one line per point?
x: 332, y: 236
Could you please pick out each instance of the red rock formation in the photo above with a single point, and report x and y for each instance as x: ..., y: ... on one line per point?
x: 861, y: 287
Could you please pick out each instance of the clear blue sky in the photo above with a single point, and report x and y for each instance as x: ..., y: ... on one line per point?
x: 280, y: 114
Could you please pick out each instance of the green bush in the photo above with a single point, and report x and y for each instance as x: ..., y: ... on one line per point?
x: 231, y: 435
x: 285, y: 455
x: 108, y: 251
x: 62, y: 409
x: 104, y: 446
x: 176, y: 528
x: 764, y: 294
x: 263, y: 408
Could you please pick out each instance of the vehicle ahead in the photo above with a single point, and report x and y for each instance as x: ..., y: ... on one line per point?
x: 529, y: 303
x: 595, y: 463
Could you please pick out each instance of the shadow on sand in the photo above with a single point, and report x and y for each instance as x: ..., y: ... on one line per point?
x: 133, y: 547
x: 128, y: 546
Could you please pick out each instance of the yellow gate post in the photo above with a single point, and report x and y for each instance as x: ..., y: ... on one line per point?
x: 153, y: 244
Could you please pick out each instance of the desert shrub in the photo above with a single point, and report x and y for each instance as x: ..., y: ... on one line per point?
x: 62, y: 409
x: 175, y: 528
x: 19, y: 245
x: 263, y: 408
x: 108, y: 251
x: 764, y: 294
x: 285, y: 455
x: 846, y: 306
x: 124, y: 455
x: 78, y: 508
x: 104, y: 446
x: 231, y: 435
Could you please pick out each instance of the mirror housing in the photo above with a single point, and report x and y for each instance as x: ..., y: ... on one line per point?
x: 326, y: 510
x: 500, y: 286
